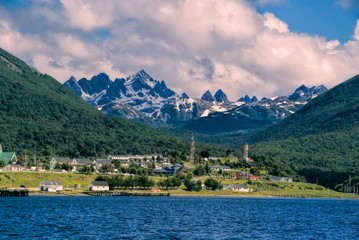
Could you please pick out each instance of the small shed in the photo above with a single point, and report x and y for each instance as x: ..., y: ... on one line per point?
x: 51, y: 186
x: 99, y: 186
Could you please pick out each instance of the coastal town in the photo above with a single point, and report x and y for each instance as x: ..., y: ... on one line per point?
x: 195, y: 168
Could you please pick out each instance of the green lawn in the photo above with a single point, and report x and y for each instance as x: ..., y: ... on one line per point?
x: 33, y: 179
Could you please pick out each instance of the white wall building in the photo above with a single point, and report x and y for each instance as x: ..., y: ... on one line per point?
x: 99, y: 186
x: 51, y: 186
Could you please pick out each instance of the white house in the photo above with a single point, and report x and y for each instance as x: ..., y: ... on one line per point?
x: 99, y: 186
x: 223, y: 168
x: 51, y: 186
x: 280, y: 179
x: 237, y: 187
x: 14, y: 168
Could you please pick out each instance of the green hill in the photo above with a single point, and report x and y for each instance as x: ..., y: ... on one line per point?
x: 319, y: 141
x: 39, y: 114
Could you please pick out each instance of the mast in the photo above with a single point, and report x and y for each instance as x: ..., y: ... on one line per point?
x: 192, y: 148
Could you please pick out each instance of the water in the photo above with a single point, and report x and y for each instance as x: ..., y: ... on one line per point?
x: 177, y: 218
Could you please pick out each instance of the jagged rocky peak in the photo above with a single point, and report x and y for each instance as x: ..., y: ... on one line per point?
x: 143, y: 76
x: 73, y: 85
x: 304, y: 94
x: 163, y: 90
x: 220, y: 96
x: 184, y: 96
x: 141, y: 80
x: 207, y: 96
x: 247, y: 99
x: 101, y: 82
x: 96, y: 85
x: 302, y: 88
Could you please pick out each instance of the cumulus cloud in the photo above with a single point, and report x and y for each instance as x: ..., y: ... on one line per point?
x: 193, y: 45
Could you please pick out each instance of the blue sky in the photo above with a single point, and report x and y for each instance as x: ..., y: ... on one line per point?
x: 328, y: 18
x: 256, y: 47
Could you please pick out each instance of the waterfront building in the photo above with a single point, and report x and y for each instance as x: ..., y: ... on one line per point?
x: 99, y: 186
x: 237, y: 187
x: 51, y: 186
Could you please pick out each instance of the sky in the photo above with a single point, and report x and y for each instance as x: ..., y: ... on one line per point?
x: 264, y: 48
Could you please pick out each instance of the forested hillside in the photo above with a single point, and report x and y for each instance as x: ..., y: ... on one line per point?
x: 320, y: 141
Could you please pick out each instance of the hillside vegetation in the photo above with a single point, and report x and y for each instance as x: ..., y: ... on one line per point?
x: 320, y: 140
x: 39, y: 114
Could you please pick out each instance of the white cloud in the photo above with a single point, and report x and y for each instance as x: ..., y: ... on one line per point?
x: 356, y: 32
x: 89, y: 14
x: 193, y: 45
x: 271, y: 22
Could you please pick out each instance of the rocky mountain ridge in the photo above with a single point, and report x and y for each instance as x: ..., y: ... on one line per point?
x: 142, y: 97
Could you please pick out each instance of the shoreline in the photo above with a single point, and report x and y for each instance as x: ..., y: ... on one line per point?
x: 44, y: 194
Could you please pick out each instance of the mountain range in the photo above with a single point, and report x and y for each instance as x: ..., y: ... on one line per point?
x: 142, y: 98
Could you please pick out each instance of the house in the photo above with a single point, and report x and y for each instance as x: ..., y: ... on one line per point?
x: 183, y: 170
x: 217, y: 168
x: 7, y: 157
x: 61, y: 160
x: 100, y: 162
x: 243, y: 175
x: 252, y: 177
x: 14, y: 168
x: 237, y: 187
x: 51, y: 186
x: 160, y: 171
x: 99, y: 186
x: 80, y: 162
x: 126, y: 158
x: 253, y: 165
x: 280, y: 179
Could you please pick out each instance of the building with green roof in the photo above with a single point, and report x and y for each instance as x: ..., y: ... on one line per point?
x: 7, y: 157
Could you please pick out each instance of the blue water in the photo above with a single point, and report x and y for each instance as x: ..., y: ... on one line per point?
x: 177, y: 218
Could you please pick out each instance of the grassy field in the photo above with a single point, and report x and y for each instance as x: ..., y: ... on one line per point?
x: 33, y: 179
x: 260, y: 188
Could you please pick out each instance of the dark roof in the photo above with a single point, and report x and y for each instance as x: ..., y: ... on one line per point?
x: 160, y: 171
x: 219, y: 167
x: 103, y: 161
x: 52, y: 182
x: 274, y: 178
x: 63, y: 159
x: 15, y: 165
x: 238, y: 186
x: 84, y: 161
x: 99, y: 183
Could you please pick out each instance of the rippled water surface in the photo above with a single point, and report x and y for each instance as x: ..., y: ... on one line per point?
x: 177, y: 218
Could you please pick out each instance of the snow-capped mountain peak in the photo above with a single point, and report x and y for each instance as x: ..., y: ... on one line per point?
x: 220, y: 96
x: 207, y: 96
